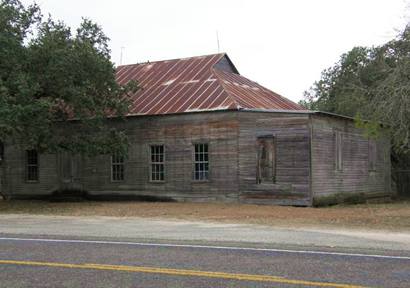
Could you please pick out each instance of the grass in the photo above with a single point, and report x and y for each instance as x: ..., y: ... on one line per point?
x: 391, y: 216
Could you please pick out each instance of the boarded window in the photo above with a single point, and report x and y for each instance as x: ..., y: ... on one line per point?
x: 372, y: 155
x: 201, y: 163
x: 117, y: 167
x: 31, y: 165
x: 266, y: 172
x: 338, y: 151
x: 157, y: 165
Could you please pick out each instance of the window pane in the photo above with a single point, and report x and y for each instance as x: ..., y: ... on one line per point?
x: 117, y: 167
x: 157, y: 163
x: 201, y: 165
x: 121, y: 173
x: 1, y: 151
x: 32, y: 157
x: 31, y: 165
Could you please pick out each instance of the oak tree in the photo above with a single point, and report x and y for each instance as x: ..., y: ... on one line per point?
x: 58, y: 86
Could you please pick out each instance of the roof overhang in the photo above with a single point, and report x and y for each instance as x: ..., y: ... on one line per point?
x: 308, y: 112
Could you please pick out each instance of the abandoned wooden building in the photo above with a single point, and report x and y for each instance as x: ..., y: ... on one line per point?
x: 199, y: 131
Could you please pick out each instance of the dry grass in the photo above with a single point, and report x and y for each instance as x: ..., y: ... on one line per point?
x: 391, y: 216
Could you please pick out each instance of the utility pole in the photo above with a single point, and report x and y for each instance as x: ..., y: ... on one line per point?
x: 217, y: 40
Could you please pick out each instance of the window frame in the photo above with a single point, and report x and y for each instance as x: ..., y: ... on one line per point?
x: 2, y: 152
x: 194, y: 162
x: 118, y: 164
x: 338, y: 150
x: 371, y: 155
x: 151, y: 163
x: 28, y: 165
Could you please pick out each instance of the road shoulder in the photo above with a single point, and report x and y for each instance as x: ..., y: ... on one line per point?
x: 156, y: 229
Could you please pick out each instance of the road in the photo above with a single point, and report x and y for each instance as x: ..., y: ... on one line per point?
x: 59, y: 252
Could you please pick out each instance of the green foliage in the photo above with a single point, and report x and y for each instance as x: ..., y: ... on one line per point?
x: 49, y: 75
x: 371, y: 129
x: 372, y: 84
x: 344, y: 88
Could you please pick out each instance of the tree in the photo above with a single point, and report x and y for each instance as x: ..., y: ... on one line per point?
x: 391, y: 101
x: 49, y: 76
x: 342, y: 88
x: 372, y: 84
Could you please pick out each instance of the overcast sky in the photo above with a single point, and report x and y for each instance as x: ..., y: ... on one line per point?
x: 283, y: 45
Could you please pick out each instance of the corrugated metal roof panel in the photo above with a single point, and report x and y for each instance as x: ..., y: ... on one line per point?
x: 249, y: 94
x: 194, y: 84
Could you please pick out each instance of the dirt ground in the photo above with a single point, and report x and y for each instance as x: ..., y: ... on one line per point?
x: 391, y: 216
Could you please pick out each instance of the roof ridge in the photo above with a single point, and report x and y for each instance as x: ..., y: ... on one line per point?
x: 232, y: 98
x: 222, y: 54
x: 196, y: 83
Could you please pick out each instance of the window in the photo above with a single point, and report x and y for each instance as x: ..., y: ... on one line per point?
x: 201, y: 163
x: 157, y: 165
x: 31, y: 165
x: 372, y: 155
x: 1, y: 152
x: 266, y: 172
x: 338, y: 151
x: 117, y: 167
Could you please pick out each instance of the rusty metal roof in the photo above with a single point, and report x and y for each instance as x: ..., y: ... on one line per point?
x: 203, y: 83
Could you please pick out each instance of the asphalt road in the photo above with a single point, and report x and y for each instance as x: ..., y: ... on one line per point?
x: 35, y: 254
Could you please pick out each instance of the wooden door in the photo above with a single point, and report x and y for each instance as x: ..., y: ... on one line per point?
x: 70, y: 171
x: 266, y: 160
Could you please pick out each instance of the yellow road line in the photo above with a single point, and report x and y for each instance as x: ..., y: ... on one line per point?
x: 181, y: 272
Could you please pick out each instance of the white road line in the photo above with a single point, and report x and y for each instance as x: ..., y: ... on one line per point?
x: 206, y: 247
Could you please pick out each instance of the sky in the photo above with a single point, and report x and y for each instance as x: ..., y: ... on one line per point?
x: 282, y: 45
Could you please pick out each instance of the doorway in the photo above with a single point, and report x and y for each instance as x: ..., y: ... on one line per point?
x: 70, y: 171
x: 266, y: 164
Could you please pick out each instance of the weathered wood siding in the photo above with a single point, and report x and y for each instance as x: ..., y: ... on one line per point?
x: 225, y: 65
x: 14, y: 173
x: 292, y: 137
x: 177, y: 133
x: 354, y: 175
x: 304, y: 165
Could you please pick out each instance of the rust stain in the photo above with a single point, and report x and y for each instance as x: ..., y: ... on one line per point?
x: 194, y: 85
